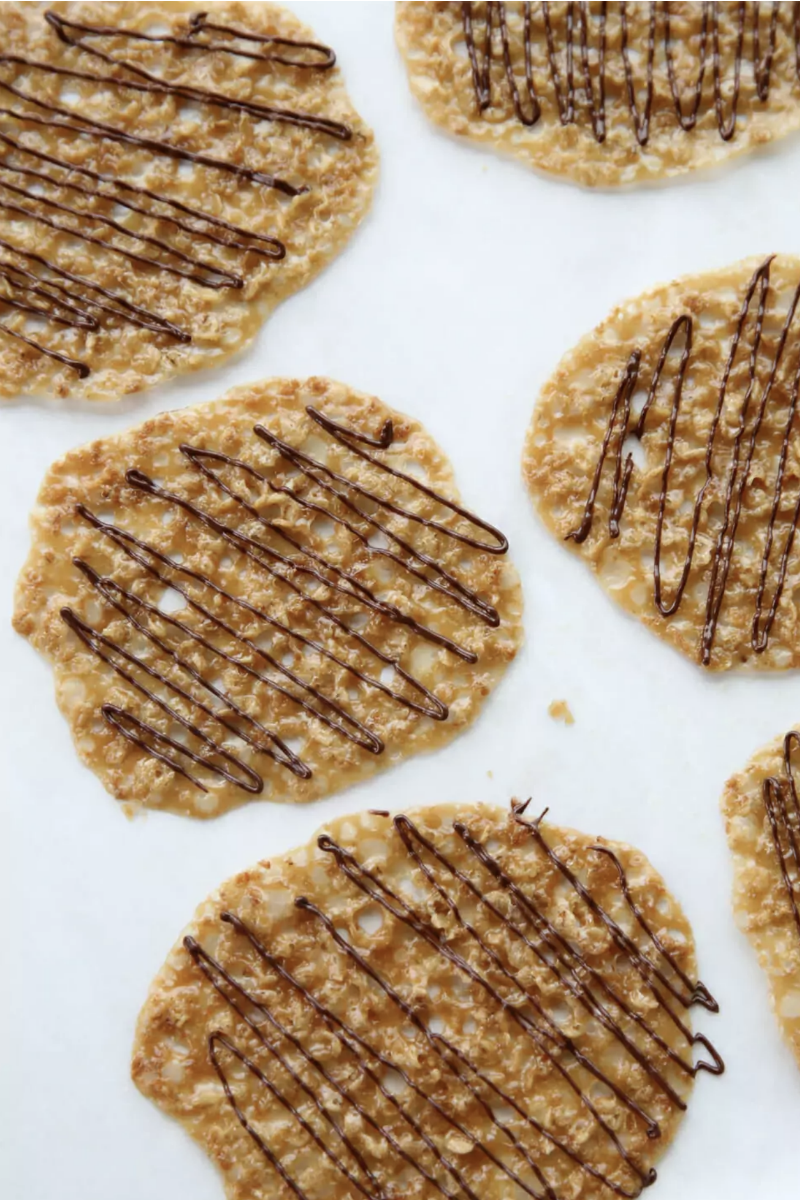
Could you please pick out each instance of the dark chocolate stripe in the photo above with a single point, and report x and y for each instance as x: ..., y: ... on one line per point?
x: 593, y: 87
x: 158, y: 86
x: 641, y: 120
x: 363, y: 1050
x: 121, y: 599
x: 782, y: 806
x: 481, y: 71
x: 344, y: 436
x: 102, y: 131
x: 571, y: 968
x: 547, y: 1044
x: 127, y: 311
x: 35, y: 310
x: 25, y: 281
x: 687, y: 120
x: 350, y: 585
x: 697, y: 994
x: 410, y: 834
x: 108, y: 651
x: 258, y: 243
x: 379, y: 892
x: 80, y: 367
x: 199, y: 22
x: 142, y: 553
x: 429, y: 706
x: 226, y: 279
x: 220, y: 1039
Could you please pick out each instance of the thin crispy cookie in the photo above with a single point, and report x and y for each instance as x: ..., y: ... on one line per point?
x: 204, y: 226
x: 358, y: 635
x: 628, y: 138
x: 762, y: 820
x: 431, y: 1005
x: 597, y: 461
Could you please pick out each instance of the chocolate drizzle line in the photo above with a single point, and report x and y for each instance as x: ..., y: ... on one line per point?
x: 740, y: 456
x: 783, y: 813
x: 698, y: 993
x: 199, y: 22
x: 481, y: 72
x: 270, y: 247
x: 154, y: 84
x: 26, y: 281
x: 572, y: 980
x: 190, y: 224
x: 202, y: 596
x: 545, y: 1041
x: 130, y: 545
x: 219, y: 1039
x: 593, y: 86
x: 567, y: 965
x: 364, y: 1053
x: 80, y: 367
x: 127, y: 311
x: 100, y: 130
x: 225, y: 278
x: 349, y: 585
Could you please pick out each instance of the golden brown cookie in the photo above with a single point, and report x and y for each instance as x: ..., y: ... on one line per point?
x: 671, y: 87
x: 459, y: 1001
x: 167, y: 177
x: 762, y: 819
x: 274, y: 595
x: 665, y: 450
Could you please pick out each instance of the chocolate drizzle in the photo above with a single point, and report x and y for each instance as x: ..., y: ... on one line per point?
x: 471, y: 1092
x: 783, y: 813
x: 33, y: 181
x: 153, y: 84
x: 313, y: 580
x: 592, y: 83
x: 199, y: 23
x: 740, y: 460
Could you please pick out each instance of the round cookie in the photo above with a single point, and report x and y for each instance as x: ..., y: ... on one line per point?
x: 153, y: 223
x: 459, y: 1000
x: 273, y: 595
x: 672, y: 87
x: 665, y: 450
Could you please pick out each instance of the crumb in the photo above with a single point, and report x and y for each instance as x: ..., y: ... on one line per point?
x: 559, y: 710
x: 490, y: 774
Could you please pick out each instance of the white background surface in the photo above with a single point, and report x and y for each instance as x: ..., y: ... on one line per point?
x: 453, y: 302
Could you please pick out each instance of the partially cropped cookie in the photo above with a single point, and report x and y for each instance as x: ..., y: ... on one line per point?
x: 456, y: 1001
x: 273, y: 595
x: 762, y: 819
x: 168, y: 176
x: 665, y: 451
x: 607, y: 94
